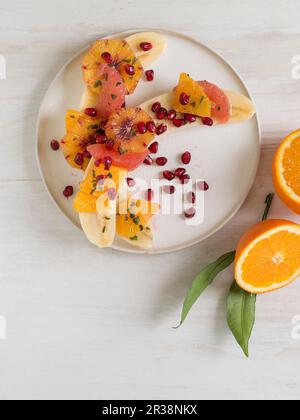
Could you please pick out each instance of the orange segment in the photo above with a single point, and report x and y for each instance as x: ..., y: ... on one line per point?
x: 268, y: 256
x: 80, y: 132
x: 121, y: 56
x: 286, y: 171
x: 85, y: 203
x: 198, y: 102
x: 136, y: 218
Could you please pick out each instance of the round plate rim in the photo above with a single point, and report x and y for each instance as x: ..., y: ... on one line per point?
x: 125, y: 34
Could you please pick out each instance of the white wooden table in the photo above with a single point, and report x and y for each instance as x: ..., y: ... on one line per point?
x: 84, y: 323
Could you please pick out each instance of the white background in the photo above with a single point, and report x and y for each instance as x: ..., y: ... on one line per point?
x: 84, y: 323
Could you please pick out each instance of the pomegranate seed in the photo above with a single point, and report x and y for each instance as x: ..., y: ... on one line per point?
x: 203, y: 185
x: 156, y: 107
x: 141, y: 127
x: 148, y: 161
x: 87, y: 154
x: 130, y: 70
x: 190, y: 118
x: 107, y: 163
x: 149, y: 194
x: 191, y: 197
x: 146, y: 46
x: 172, y: 114
x: 91, y: 112
x: 169, y: 175
x: 97, y: 163
x: 162, y: 114
x: 186, y: 158
x: 162, y: 128
x: 107, y: 57
x: 184, y: 99
x: 153, y: 148
x: 161, y: 161
x: 101, y: 138
x: 110, y: 144
x: 130, y: 182
x: 151, y: 127
x: 178, y: 122
x: 54, y: 145
x: 169, y: 189
x: 149, y: 75
x: 179, y: 172
x: 112, y: 194
x: 68, y: 191
x: 184, y: 179
x: 100, y: 179
x: 79, y: 159
x: 190, y: 213
x: 207, y: 121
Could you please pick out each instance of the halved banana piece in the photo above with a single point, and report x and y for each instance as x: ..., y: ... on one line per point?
x: 89, y: 99
x: 242, y: 108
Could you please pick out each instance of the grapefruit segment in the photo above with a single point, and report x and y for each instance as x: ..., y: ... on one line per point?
x: 221, y: 108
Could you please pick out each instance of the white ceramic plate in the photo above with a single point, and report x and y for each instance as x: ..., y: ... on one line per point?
x: 226, y: 156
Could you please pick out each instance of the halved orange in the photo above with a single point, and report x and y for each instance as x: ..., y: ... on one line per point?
x: 268, y: 256
x: 286, y: 171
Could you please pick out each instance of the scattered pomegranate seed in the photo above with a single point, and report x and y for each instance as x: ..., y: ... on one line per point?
x: 191, y: 197
x: 162, y: 114
x: 110, y: 144
x: 146, y: 46
x: 130, y: 182
x: 156, y: 107
x: 87, y: 154
x: 112, y: 194
x: 185, y: 178
x: 107, y: 162
x: 190, y: 118
x: 148, y: 161
x: 169, y: 189
x: 179, y: 172
x: 101, y: 138
x: 190, y: 213
x: 79, y: 159
x: 172, y: 114
x: 207, y: 121
x: 149, y: 75
x: 186, y: 158
x: 149, y: 194
x: 97, y: 163
x: 153, y: 148
x: 130, y: 70
x: 151, y: 127
x: 203, y: 185
x: 54, y: 145
x: 107, y: 57
x: 184, y: 99
x: 91, y: 112
x: 141, y: 127
x: 161, y: 161
x: 162, y: 128
x: 169, y: 175
x: 178, y: 122
x: 68, y: 191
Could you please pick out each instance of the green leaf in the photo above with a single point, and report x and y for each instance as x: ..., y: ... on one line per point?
x: 203, y: 280
x: 241, y: 315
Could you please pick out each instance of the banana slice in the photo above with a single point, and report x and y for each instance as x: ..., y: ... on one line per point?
x: 89, y: 99
x: 242, y: 108
x: 144, y: 241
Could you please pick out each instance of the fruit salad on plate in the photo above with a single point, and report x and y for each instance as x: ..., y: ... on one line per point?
x: 108, y: 141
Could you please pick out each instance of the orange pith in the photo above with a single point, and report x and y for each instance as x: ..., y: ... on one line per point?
x: 286, y: 171
x: 199, y: 103
x: 121, y: 54
x: 80, y: 130
x: 268, y: 256
x: 122, y: 128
